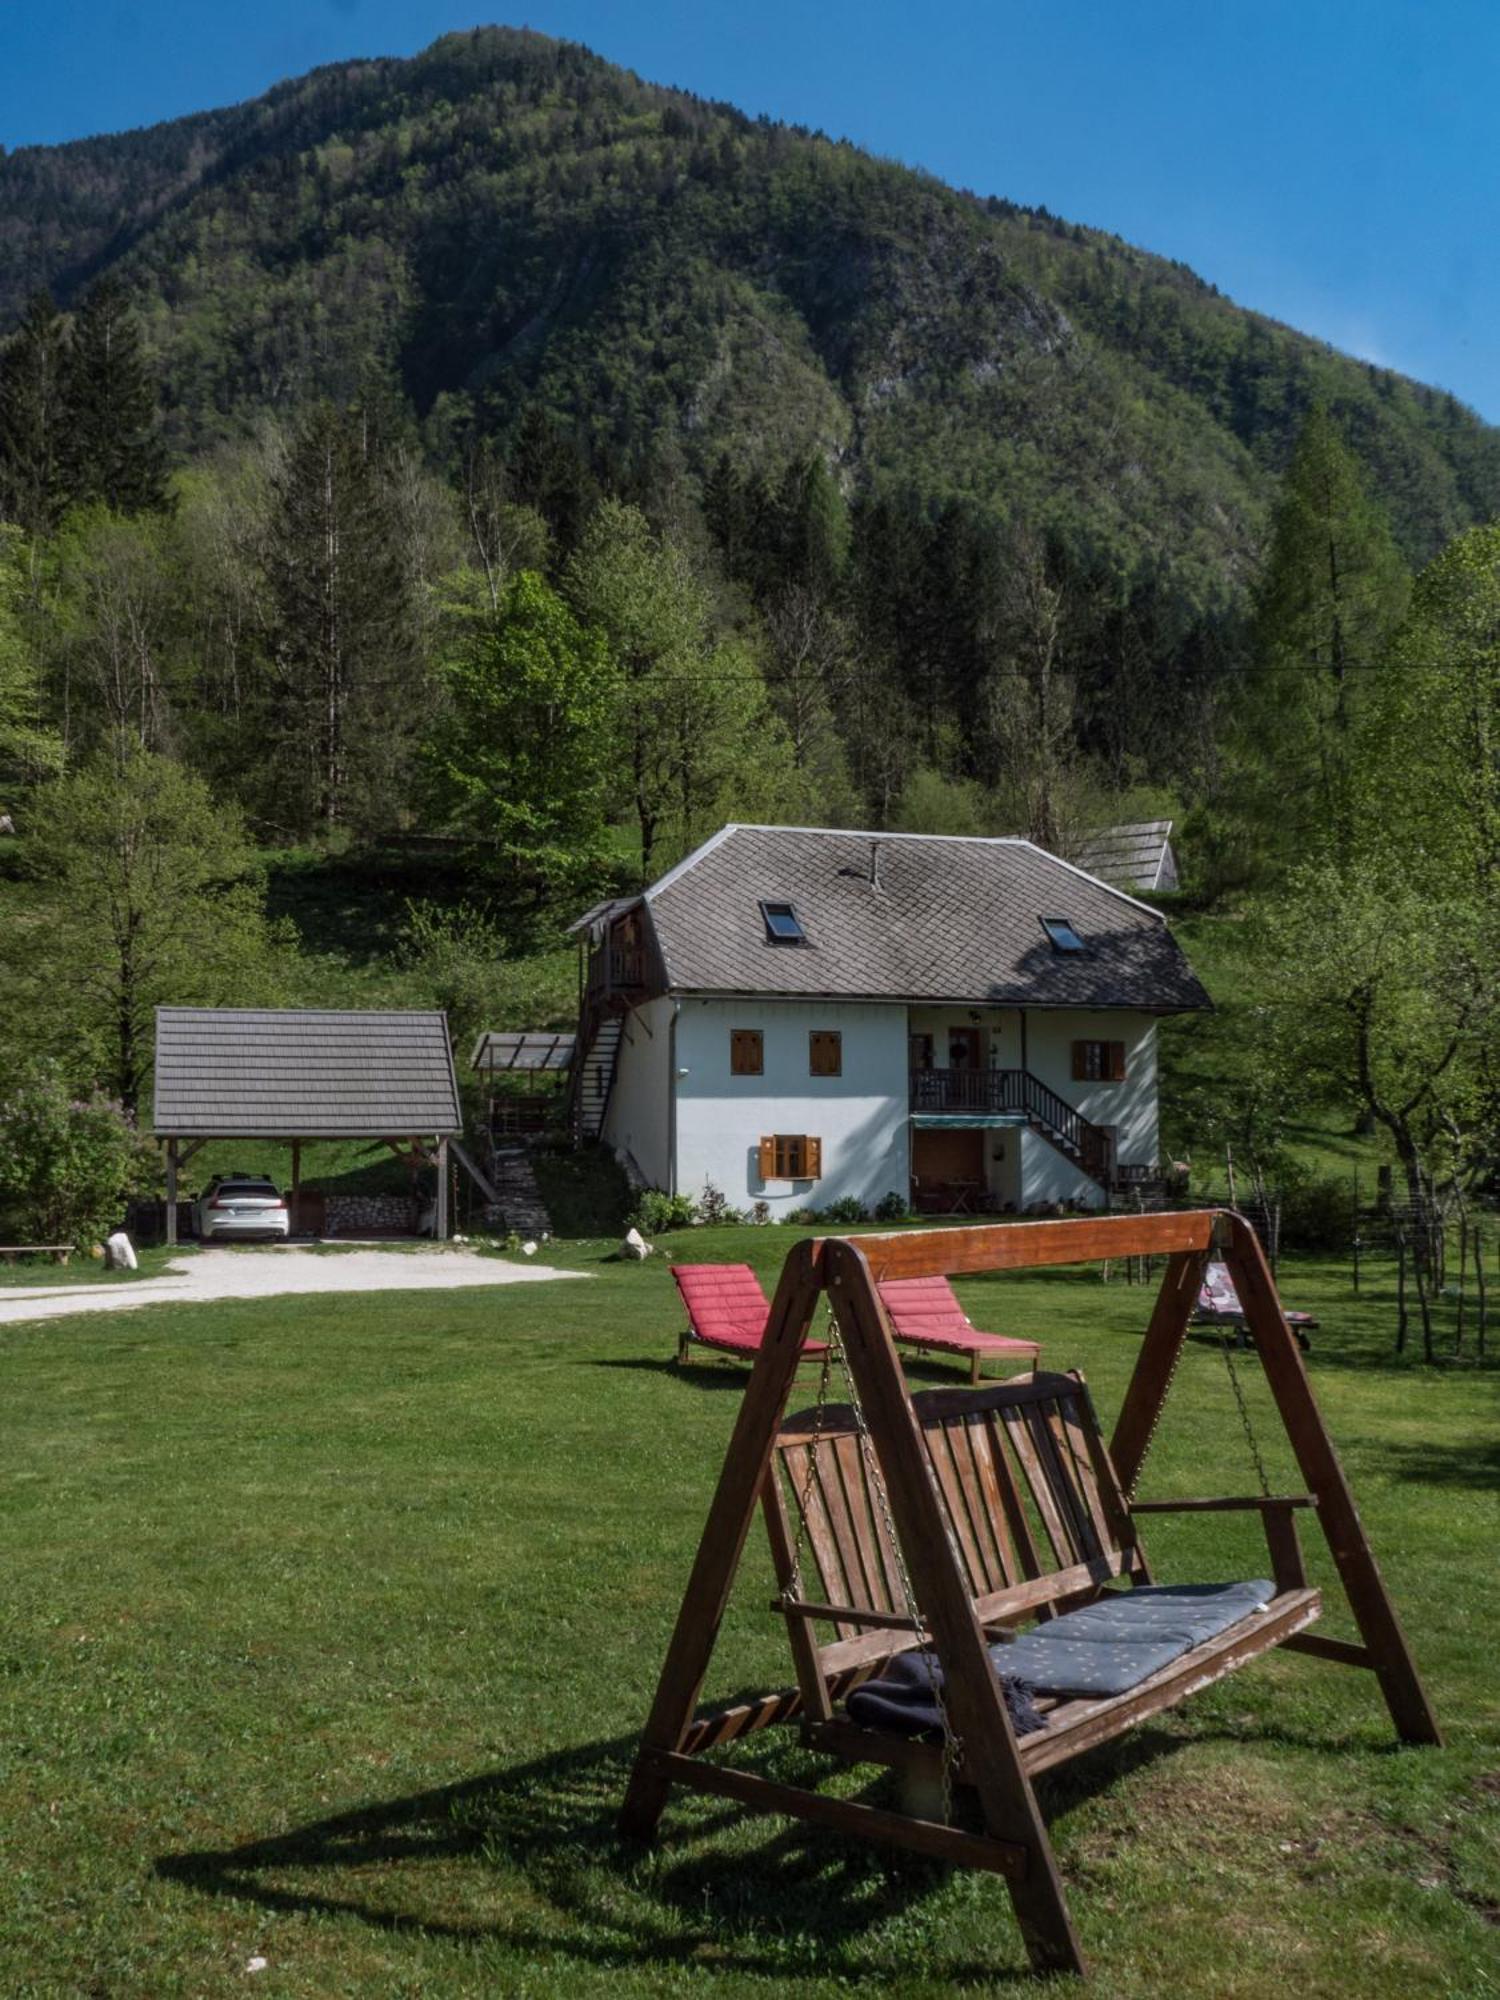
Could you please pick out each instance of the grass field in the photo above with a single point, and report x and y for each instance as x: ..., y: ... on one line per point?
x: 329, y: 1623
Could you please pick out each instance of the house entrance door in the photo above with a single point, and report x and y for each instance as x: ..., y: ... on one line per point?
x: 963, y: 1048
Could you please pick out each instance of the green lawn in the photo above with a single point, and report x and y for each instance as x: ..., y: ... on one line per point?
x: 329, y: 1623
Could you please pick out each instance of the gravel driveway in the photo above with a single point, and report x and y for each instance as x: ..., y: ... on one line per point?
x: 266, y: 1273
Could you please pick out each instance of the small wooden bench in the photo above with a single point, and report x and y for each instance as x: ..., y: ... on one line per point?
x: 58, y: 1252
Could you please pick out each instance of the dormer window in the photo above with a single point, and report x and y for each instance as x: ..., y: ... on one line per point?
x: 783, y: 926
x: 1064, y: 938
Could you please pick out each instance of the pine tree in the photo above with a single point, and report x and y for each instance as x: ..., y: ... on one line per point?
x: 345, y: 701
x: 1333, y: 592
x: 33, y: 490
x: 114, y: 453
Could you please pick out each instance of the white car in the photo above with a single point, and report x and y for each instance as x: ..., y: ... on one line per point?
x: 241, y: 1205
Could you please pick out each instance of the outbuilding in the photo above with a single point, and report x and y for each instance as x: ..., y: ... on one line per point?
x: 293, y: 1075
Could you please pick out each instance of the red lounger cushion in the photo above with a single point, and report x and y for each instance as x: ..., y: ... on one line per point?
x: 925, y: 1312
x: 727, y: 1307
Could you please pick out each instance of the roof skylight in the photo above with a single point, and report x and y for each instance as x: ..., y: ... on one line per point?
x: 1062, y: 934
x: 783, y: 926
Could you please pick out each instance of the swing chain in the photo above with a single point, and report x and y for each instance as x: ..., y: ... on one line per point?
x: 952, y: 1743
x: 1156, y: 1417
x: 1226, y: 1348
x: 804, y: 1499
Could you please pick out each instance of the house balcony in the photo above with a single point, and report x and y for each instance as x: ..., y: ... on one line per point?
x: 972, y: 1092
x: 1016, y: 1097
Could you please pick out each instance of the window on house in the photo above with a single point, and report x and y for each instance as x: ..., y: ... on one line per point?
x: 1098, y: 1062
x: 1062, y: 934
x: 787, y: 1156
x: 919, y: 1051
x: 825, y: 1052
x: 747, y: 1052
x: 783, y: 926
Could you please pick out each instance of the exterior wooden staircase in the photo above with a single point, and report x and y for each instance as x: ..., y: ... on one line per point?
x: 988, y: 1091
x: 593, y: 1079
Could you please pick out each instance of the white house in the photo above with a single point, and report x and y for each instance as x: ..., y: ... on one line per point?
x: 795, y: 1015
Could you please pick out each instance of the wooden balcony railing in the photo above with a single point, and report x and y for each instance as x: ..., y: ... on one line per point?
x: 986, y: 1092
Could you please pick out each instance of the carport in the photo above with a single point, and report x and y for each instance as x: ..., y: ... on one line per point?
x: 292, y: 1075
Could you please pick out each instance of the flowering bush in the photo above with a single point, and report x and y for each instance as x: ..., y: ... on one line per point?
x: 67, y: 1163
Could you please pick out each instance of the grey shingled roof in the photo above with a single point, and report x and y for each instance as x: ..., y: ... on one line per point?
x: 951, y: 919
x: 1130, y: 857
x: 262, y: 1073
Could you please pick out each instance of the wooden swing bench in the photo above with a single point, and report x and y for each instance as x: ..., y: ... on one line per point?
x: 939, y: 1523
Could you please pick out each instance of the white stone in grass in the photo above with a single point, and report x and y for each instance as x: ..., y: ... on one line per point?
x: 528, y: 1249
x: 119, y: 1252
x: 256, y: 1964
x: 635, y: 1245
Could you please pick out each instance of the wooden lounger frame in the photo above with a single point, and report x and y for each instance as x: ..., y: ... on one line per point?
x: 995, y: 1763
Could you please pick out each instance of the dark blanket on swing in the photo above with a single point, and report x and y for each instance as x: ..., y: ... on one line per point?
x: 1105, y: 1648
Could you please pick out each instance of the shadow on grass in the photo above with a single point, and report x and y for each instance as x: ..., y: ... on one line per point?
x: 785, y: 1905
x: 1469, y: 1467
x: 710, y: 1891
x: 706, y: 1375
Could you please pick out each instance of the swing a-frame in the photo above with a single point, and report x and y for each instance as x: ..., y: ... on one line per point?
x: 939, y: 1523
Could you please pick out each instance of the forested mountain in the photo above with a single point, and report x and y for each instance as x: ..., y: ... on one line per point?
x: 507, y: 220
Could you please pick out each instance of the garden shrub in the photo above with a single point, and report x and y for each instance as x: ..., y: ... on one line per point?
x: 891, y: 1207
x: 713, y: 1206
x: 656, y: 1213
x: 846, y: 1209
x: 67, y: 1163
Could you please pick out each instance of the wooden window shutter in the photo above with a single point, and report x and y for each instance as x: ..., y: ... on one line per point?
x: 813, y: 1158
x: 746, y: 1052
x: 1080, y: 1062
x: 766, y: 1159
x: 825, y: 1052
x: 1117, y: 1062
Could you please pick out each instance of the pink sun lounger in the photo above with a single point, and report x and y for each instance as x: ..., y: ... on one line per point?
x: 728, y: 1310
x: 1219, y: 1305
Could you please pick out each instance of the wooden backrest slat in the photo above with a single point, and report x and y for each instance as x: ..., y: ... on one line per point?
x: 960, y: 1515
x: 1019, y: 1436
x: 830, y: 1488
x: 817, y: 1529
x: 1021, y: 1474
x: 1056, y: 1454
x: 973, y: 1438
x: 1023, y: 1540
x: 1073, y: 1422
x: 864, y: 1526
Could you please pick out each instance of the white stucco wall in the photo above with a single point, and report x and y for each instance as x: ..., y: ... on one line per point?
x: 1131, y: 1106
x: 638, y: 1119
x: 860, y: 1116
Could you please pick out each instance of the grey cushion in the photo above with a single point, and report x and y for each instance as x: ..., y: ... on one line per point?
x: 1114, y: 1644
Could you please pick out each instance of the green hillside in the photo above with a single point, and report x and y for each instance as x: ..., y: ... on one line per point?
x: 506, y: 218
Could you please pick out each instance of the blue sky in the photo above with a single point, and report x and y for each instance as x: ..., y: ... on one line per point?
x: 1331, y: 163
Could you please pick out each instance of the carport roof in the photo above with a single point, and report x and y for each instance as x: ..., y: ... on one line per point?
x: 277, y: 1073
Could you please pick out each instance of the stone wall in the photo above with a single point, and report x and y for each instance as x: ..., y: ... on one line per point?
x: 366, y: 1214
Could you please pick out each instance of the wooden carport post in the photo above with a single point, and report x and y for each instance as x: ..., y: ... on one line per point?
x: 171, y: 1191
x: 440, y: 1215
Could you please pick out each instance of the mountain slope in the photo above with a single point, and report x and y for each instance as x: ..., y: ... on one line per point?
x: 505, y: 217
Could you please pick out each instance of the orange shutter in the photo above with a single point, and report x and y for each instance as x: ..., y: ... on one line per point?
x: 813, y: 1158
x: 1080, y: 1062
x: 1117, y: 1062
x: 766, y: 1161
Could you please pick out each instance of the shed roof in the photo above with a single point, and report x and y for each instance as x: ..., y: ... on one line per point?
x: 522, y: 1048
x: 1138, y: 856
x: 910, y: 917
x: 274, y: 1073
